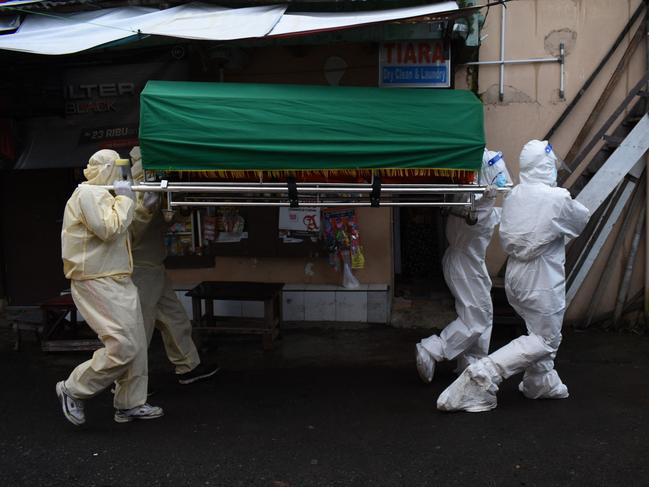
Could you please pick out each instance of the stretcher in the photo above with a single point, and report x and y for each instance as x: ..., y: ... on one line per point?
x: 241, y: 144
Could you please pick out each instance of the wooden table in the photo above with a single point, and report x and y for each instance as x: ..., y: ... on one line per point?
x: 269, y: 293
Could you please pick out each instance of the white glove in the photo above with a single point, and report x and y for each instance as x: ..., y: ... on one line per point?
x: 151, y: 200
x: 123, y: 188
x: 490, y: 192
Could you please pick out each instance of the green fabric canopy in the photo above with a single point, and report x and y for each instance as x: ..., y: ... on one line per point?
x: 243, y: 127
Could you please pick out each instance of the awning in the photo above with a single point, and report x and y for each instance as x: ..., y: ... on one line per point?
x: 310, y: 22
x: 59, y: 33
x: 231, y: 127
x: 70, y: 33
x: 16, y: 3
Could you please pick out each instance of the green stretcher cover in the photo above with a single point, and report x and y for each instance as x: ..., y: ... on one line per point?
x: 270, y: 127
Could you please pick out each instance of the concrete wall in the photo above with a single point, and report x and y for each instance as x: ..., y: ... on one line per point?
x: 534, y: 28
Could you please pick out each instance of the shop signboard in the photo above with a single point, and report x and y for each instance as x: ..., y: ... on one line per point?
x: 422, y: 63
x: 80, y: 110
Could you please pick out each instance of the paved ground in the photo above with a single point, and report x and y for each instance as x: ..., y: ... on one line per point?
x: 332, y: 407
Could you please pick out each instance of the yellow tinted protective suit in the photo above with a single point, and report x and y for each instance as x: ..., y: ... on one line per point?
x: 161, y: 308
x: 94, y: 239
x: 97, y: 259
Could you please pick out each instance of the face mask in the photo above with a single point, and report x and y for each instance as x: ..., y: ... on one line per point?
x: 500, y: 180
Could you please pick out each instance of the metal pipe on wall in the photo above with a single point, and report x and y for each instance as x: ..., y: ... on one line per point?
x: 516, y: 61
x: 503, y: 21
x: 502, y: 62
x: 562, y: 76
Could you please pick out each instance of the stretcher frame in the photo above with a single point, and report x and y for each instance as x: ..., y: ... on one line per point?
x: 295, y: 194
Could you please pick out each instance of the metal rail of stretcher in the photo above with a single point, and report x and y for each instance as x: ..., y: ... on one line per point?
x: 205, y: 194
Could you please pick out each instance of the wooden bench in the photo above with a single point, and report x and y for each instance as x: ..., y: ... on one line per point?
x: 204, y: 295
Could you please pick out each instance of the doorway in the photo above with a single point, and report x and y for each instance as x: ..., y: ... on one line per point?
x: 420, y: 242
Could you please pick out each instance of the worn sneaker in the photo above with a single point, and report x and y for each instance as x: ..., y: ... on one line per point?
x: 425, y: 364
x: 145, y: 411
x: 72, y: 408
x: 200, y: 372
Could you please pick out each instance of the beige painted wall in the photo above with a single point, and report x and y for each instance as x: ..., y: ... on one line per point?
x: 534, y: 28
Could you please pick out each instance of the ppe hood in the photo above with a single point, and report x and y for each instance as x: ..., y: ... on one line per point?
x: 101, y: 169
x: 538, y: 163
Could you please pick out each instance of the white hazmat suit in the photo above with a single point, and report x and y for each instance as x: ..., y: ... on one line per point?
x: 97, y: 259
x: 536, y: 219
x: 157, y: 296
x: 467, y: 338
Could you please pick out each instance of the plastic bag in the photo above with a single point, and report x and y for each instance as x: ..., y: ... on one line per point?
x: 349, y: 280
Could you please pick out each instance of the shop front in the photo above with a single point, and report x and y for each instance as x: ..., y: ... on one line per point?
x: 90, y: 100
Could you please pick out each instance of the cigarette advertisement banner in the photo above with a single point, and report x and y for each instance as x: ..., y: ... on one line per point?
x: 80, y: 110
x: 415, y: 64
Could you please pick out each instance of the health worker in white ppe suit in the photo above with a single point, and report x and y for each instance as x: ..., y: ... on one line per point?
x: 467, y: 338
x: 161, y: 308
x: 536, y: 219
x: 97, y: 259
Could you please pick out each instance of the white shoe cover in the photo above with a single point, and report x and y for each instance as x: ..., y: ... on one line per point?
x: 543, y: 386
x: 463, y: 361
x: 473, y: 392
x: 425, y: 364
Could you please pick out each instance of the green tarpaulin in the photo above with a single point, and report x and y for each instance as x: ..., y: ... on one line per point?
x: 241, y: 127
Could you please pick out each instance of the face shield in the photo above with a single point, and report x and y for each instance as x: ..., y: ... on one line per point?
x: 559, y: 163
x: 125, y: 169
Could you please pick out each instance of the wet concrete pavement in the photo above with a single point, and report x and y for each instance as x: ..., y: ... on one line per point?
x: 333, y: 407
